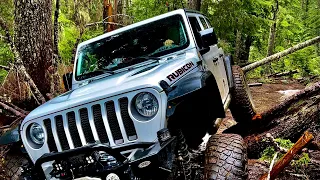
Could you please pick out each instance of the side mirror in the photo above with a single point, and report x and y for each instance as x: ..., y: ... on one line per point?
x: 67, y: 81
x: 208, y: 37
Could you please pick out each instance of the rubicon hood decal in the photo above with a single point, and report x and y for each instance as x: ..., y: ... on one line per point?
x: 182, y: 70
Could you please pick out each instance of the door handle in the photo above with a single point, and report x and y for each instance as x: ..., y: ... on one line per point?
x: 215, y: 59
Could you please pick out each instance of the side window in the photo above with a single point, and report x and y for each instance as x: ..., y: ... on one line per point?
x: 208, y: 22
x: 196, y: 29
x: 203, y: 22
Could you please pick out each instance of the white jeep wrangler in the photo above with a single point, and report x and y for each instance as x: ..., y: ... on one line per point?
x: 141, y: 98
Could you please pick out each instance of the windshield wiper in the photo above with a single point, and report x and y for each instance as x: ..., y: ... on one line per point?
x: 143, y: 57
x: 94, y: 73
x: 147, y: 57
x: 105, y: 71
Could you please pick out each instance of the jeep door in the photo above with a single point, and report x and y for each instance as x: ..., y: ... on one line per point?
x: 214, y: 57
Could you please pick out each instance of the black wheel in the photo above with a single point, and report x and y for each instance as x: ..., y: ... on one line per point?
x: 225, y: 157
x: 241, y: 105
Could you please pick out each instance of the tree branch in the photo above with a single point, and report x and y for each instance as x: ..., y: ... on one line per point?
x: 5, y: 67
x: 102, y: 22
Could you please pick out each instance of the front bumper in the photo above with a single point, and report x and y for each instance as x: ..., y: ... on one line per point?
x: 147, y: 161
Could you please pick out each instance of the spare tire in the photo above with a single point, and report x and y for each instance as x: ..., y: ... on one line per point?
x: 225, y: 158
x: 241, y: 105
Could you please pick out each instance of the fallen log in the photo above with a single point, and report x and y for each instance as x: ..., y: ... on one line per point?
x: 283, y: 73
x: 285, y: 160
x: 281, y: 54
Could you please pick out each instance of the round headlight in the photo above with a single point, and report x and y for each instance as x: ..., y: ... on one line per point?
x: 146, y: 104
x: 36, y: 134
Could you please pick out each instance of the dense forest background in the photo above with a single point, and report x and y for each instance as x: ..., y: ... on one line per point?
x: 46, y: 33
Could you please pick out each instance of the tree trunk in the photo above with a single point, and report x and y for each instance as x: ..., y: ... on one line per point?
x: 272, y: 35
x: 238, y: 45
x: 273, y: 27
x: 242, y: 48
x: 194, y: 4
x: 55, y: 83
x: 33, y: 30
x: 281, y: 54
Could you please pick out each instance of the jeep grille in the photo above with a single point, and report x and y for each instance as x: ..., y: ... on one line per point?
x: 91, y: 121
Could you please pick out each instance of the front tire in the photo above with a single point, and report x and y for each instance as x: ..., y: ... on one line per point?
x: 241, y: 105
x: 225, y: 158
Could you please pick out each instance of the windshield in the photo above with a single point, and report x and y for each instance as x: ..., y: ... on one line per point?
x: 131, y: 47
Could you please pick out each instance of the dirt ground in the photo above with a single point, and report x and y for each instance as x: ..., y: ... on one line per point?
x: 269, y: 95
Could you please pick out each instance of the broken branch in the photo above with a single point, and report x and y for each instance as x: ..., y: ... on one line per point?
x: 285, y: 160
x: 15, y: 112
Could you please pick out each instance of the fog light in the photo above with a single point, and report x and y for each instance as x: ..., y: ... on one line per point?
x: 163, y: 135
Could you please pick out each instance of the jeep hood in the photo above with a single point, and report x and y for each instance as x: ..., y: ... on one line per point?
x: 147, y: 76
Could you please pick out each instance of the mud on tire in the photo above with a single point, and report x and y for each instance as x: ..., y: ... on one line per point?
x: 241, y: 105
x: 225, y: 158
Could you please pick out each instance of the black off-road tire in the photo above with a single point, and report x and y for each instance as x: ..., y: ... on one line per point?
x: 241, y: 105
x: 225, y: 158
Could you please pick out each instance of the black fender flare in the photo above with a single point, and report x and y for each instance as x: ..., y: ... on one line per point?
x: 191, y: 84
x: 10, y: 137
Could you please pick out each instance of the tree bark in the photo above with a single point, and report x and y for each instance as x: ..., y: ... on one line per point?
x: 19, y: 65
x: 238, y: 45
x: 272, y: 35
x: 281, y: 54
x: 273, y: 27
x: 33, y: 30
x: 194, y: 4
x: 55, y: 82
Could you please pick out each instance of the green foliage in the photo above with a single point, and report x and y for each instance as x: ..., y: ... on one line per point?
x: 268, y: 154
x: 284, y: 143
x: 302, y: 162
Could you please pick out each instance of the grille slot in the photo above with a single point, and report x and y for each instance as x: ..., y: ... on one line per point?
x: 86, y: 125
x: 51, y: 143
x: 127, y: 121
x: 61, y: 133
x: 73, y: 129
x: 113, y: 122
x: 98, y: 122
